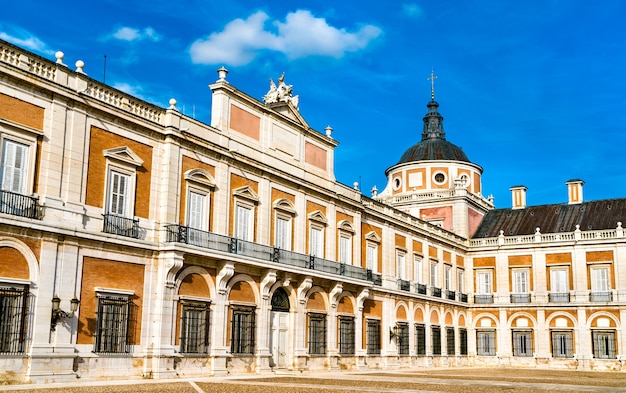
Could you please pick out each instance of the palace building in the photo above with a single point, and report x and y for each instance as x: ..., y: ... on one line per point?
x: 137, y: 242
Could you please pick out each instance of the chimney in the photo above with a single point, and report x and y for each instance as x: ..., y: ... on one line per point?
x: 518, y: 194
x: 574, y: 191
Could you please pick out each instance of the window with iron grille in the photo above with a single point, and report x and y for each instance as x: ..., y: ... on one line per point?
x: 450, y: 342
x: 242, y: 330
x: 562, y: 344
x: 604, y: 344
x: 373, y: 337
x: 113, y: 317
x: 463, y: 341
x: 346, y: 335
x: 523, y: 343
x: 194, y: 327
x: 317, y: 334
x: 420, y: 339
x: 435, y: 332
x: 486, y: 343
x: 13, y: 311
x: 402, y: 329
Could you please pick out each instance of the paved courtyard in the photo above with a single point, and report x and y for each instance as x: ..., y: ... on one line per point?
x: 414, y: 381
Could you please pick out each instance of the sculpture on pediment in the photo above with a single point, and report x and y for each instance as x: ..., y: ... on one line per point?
x: 281, y: 93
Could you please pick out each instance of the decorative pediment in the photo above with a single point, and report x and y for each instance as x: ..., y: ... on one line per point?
x: 200, y: 176
x: 346, y: 226
x: 288, y: 110
x: 123, y: 154
x: 318, y: 217
x: 246, y: 192
x: 285, y: 205
x: 373, y: 237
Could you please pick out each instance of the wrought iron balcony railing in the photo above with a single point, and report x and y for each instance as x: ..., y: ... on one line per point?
x: 182, y: 234
x: 421, y: 289
x: 520, y: 298
x: 450, y: 295
x: 20, y: 205
x: 483, y: 299
x: 554, y: 297
x: 463, y: 297
x: 404, y: 285
x: 122, y: 226
x: 600, y: 297
x: 436, y: 292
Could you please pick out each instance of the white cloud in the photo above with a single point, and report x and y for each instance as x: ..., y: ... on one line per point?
x: 133, y: 34
x: 412, y: 10
x: 127, y: 88
x: 26, y: 40
x: 300, y: 35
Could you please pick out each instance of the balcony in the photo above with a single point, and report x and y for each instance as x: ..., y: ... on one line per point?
x: 483, y: 299
x: 601, y: 297
x: 122, y: 226
x: 520, y: 298
x: 450, y: 295
x: 558, y: 297
x: 436, y: 292
x: 20, y: 205
x: 213, y: 241
x: 404, y: 285
x: 421, y: 289
x: 463, y: 297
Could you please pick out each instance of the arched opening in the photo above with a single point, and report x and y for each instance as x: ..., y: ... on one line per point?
x: 279, y: 331
x: 280, y: 300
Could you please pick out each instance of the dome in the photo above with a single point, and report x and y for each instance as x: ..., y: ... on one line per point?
x: 433, y: 149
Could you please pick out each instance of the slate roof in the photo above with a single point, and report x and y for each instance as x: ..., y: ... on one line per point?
x: 433, y: 149
x: 592, y: 215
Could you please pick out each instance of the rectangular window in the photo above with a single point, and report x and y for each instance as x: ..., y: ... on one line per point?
x: 400, y: 265
x: 600, y: 279
x: 346, y: 335
x: 447, y: 278
x: 119, y: 193
x: 283, y: 233
x: 604, y: 344
x: 243, y: 330
x: 523, y: 343
x: 460, y: 280
x: 558, y: 281
x: 373, y: 337
x: 435, y: 339
x: 345, y: 249
x: 520, y: 281
x: 417, y: 262
x: 244, y: 228
x: 13, y: 312
x: 194, y: 328
x: 403, y: 338
x: 433, y: 275
x: 486, y: 343
x: 317, y: 334
x: 450, y: 342
x: 420, y: 339
x: 371, y: 257
x: 14, y: 166
x: 197, y: 210
x: 483, y: 283
x: 562, y: 344
x: 316, y: 246
x: 462, y: 341
x: 113, y: 317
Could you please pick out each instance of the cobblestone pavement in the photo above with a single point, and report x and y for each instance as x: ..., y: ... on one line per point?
x: 415, y: 381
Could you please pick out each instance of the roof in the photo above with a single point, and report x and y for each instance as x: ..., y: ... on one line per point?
x: 592, y: 215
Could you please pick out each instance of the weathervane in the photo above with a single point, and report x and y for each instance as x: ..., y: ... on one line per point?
x: 432, y: 84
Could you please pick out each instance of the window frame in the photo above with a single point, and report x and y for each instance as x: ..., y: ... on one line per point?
x: 373, y: 336
x: 420, y: 339
x: 241, y: 233
x: 401, y: 264
x: 566, y: 338
x: 345, y: 248
x: 450, y: 341
x: 486, y: 287
x: 460, y: 280
x: 190, y: 332
x: 433, y: 274
x: 242, y: 330
x: 486, y: 342
x: 14, y: 302
x: 603, y: 286
x: 114, y: 313
x: 522, y: 342
x: 283, y: 235
x: 319, y: 231
x: 604, y: 343
x: 371, y: 256
x: 521, y: 281
x: 554, y: 280
x: 317, y: 337
x: 346, y: 334
x: 417, y: 268
x: 27, y: 138
x: 435, y: 339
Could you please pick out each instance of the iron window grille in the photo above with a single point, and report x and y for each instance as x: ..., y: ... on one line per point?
x: 113, y: 320
x: 523, y: 343
x: 435, y: 332
x: 604, y: 344
x: 486, y: 343
x: 243, y: 330
x: 13, y: 313
x: 346, y: 335
x: 450, y: 341
x: 562, y: 344
x: 463, y: 341
x: 403, y: 338
x: 317, y: 334
x: 194, y: 327
x: 420, y: 339
x: 421, y: 289
x: 373, y: 337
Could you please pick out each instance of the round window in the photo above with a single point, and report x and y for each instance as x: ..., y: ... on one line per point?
x: 440, y: 178
x: 397, y: 183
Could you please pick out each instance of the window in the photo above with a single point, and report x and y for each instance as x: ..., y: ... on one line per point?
x: 13, y: 311
x: 346, y: 335
x: 403, y: 338
x: 562, y: 344
x: 316, y: 246
x: 433, y: 274
x: 436, y: 339
x: 420, y: 339
x: 447, y: 276
x: 242, y: 330
x: 113, y: 317
x: 604, y: 344
x: 520, y: 281
x: 450, y: 341
x: 523, y: 343
x: 460, y: 280
x: 417, y: 262
x: 119, y: 203
x: 486, y: 343
x: 371, y: 257
x: 197, y: 210
x: 558, y: 281
x: 600, y: 279
x: 345, y: 249
x: 462, y: 341
x: 244, y: 227
x: 14, y: 166
x: 283, y: 232
x: 400, y: 265
x: 194, y: 327
x: 483, y: 283
x: 373, y: 337
x: 317, y: 334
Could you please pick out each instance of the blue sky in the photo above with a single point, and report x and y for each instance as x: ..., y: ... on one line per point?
x: 533, y: 91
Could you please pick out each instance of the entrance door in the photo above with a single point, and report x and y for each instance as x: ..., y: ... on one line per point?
x: 278, y: 341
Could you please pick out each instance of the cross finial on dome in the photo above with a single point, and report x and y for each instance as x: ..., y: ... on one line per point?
x: 432, y: 84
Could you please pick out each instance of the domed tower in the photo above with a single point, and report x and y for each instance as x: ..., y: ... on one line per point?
x: 435, y: 181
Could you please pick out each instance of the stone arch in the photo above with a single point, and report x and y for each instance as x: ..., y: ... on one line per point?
x: 401, y: 311
x: 346, y: 304
x: 485, y: 320
x: 434, y: 317
x: 27, y: 254
x: 189, y: 272
x: 280, y: 300
x: 289, y: 290
x: 561, y: 320
x: 603, y: 319
x: 448, y: 319
x: 242, y: 288
x: 418, y: 315
x: 461, y: 322
x: 517, y: 320
x: 317, y: 300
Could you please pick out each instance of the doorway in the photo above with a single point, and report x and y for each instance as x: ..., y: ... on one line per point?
x: 279, y: 329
